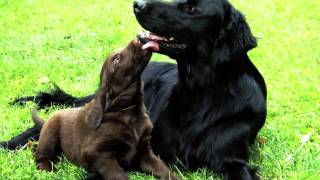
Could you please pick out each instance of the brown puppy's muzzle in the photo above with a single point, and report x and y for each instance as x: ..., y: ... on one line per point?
x: 141, y: 54
x: 140, y: 50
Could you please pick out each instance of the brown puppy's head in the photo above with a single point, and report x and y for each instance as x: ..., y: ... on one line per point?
x: 120, y: 80
x: 124, y: 67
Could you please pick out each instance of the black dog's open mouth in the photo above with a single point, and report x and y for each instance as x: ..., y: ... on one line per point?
x: 162, y: 43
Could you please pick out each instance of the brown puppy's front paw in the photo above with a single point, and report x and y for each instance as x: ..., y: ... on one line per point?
x: 173, y: 177
x: 169, y: 176
x: 118, y: 176
x: 45, y: 166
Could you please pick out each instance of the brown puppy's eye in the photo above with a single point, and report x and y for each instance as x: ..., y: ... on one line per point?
x: 190, y: 9
x: 116, y: 59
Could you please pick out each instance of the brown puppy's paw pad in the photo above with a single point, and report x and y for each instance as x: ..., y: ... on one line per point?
x: 44, y: 166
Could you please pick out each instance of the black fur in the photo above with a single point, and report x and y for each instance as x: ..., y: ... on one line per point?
x: 214, y: 110
x: 219, y: 103
x: 55, y: 97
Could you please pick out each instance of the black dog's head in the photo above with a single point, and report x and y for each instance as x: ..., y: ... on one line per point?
x: 196, y: 26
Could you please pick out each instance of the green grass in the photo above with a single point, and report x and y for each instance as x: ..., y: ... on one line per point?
x: 67, y: 40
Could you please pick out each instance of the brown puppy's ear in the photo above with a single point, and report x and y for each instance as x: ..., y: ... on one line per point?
x: 94, y: 117
x: 100, y: 104
x: 103, y: 75
x: 95, y: 113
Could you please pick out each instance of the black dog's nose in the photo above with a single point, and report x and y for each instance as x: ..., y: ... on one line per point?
x: 139, y: 5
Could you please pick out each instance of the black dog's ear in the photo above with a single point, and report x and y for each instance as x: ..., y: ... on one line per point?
x: 239, y: 31
x: 245, y: 40
x: 95, y: 113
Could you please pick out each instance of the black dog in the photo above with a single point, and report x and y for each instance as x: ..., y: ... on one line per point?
x: 208, y: 109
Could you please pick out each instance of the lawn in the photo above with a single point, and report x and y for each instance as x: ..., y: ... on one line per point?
x: 67, y: 40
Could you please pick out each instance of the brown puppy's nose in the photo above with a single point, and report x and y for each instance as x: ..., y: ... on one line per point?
x: 139, y: 5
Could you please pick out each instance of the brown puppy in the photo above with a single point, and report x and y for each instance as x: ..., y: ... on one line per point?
x: 113, y: 131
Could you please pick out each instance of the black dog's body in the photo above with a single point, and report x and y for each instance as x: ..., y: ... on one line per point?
x: 210, y: 110
x: 219, y: 103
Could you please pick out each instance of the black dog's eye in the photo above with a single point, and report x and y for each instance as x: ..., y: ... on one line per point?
x: 190, y: 9
x: 116, y: 58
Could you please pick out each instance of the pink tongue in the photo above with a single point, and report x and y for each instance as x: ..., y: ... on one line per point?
x: 154, y: 46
